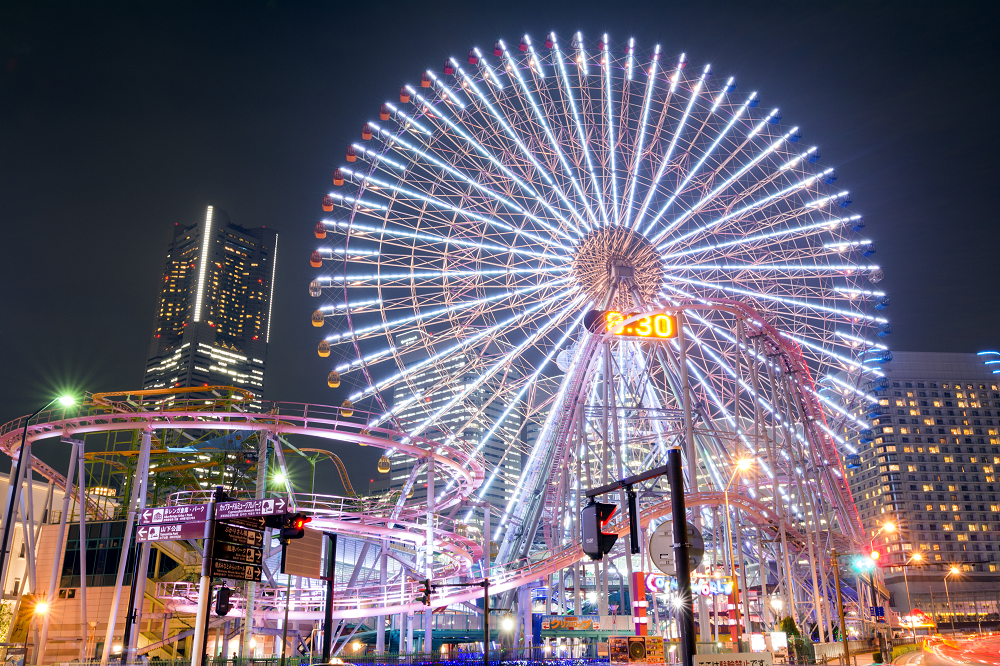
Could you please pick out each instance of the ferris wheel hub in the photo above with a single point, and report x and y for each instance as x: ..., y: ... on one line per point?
x: 611, y: 254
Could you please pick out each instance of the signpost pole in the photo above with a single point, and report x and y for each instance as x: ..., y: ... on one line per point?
x: 685, y: 611
x: 331, y: 568
x: 288, y: 598
x: 200, y: 641
x: 486, y: 622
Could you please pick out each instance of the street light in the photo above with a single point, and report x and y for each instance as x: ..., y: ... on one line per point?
x: 741, y: 466
x: 918, y: 558
x: 41, y: 608
x: 953, y: 571
x: 13, y: 494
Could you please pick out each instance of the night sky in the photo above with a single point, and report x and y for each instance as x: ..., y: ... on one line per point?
x: 120, y: 119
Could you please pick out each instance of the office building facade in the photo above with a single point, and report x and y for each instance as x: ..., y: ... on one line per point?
x: 213, y: 316
x: 925, y: 486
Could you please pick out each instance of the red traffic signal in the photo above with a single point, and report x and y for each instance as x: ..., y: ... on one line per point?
x: 290, y: 525
x: 294, y: 526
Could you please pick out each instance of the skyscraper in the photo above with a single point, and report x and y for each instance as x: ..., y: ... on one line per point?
x: 213, y: 315
x: 925, y: 481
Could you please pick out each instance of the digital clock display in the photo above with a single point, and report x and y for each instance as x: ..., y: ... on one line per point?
x: 651, y: 326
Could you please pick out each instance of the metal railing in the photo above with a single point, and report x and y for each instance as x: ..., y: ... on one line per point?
x: 581, y: 655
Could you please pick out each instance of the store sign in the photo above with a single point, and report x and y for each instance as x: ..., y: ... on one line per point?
x: 569, y: 623
x: 700, y: 584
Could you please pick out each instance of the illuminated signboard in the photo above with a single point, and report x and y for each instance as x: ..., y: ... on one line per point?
x: 654, y: 326
x: 700, y: 584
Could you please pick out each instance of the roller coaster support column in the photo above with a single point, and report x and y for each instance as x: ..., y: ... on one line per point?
x: 60, y: 540
x: 138, y: 485
x: 28, y: 525
x: 487, y: 538
x: 138, y: 596
x: 685, y: 610
x: 383, y: 572
x: 429, y: 557
x: 251, y: 587
x: 81, y: 484
x: 14, y: 492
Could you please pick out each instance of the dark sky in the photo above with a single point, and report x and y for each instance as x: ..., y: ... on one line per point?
x: 119, y: 119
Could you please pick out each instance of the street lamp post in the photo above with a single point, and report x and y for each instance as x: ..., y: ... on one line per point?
x: 951, y: 609
x: 840, y: 608
x: 741, y: 466
x: 13, y: 494
x: 918, y: 557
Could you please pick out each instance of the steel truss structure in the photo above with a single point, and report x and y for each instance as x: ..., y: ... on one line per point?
x: 511, y: 192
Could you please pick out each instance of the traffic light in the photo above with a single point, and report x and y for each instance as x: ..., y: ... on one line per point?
x: 293, y: 526
x: 426, y: 591
x: 222, y: 604
x: 874, y: 555
x: 592, y: 519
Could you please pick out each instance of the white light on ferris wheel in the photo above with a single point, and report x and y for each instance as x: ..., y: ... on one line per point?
x: 487, y: 207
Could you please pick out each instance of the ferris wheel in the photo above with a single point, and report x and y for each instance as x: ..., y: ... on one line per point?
x: 503, y: 196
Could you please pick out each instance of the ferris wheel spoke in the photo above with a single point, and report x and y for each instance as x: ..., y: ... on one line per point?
x: 773, y: 198
x: 609, y: 123
x: 829, y: 224
x: 633, y: 183
x: 537, y: 72
x: 702, y: 132
x: 581, y: 134
x: 516, y: 401
x: 425, y: 317
x: 727, y: 183
x: 527, y: 154
x: 443, y: 205
x: 415, y: 367
x: 501, y: 365
x: 521, y: 184
x: 678, y: 132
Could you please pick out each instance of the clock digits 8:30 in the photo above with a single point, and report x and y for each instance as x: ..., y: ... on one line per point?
x: 650, y: 326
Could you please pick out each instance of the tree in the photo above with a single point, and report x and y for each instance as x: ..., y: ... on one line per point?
x: 787, y: 625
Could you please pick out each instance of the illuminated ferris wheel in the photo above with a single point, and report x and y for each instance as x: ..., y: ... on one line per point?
x: 505, y: 195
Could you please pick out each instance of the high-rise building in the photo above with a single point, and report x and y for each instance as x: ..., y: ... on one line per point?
x: 213, y: 316
x: 925, y: 483
x: 471, y: 424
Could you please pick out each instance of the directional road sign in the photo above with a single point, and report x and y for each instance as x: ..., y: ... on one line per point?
x: 239, y: 535
x: 170, y: 532
x: 252, y: 522
x: 235, y: 570
x: 262, y: 507
x: 661, y: 547
x: 231, y: 551
x: 174, y: 514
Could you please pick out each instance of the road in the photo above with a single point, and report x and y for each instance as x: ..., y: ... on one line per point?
x: 974, y: 650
